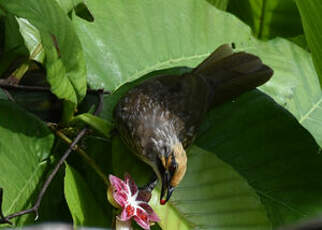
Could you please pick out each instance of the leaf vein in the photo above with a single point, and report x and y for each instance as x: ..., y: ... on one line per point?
x: 308, y: 113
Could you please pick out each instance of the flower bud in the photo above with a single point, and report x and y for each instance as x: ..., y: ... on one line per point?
x: 110, y: 197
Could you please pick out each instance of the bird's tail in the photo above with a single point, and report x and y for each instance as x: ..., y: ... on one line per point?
x: 230, y: 74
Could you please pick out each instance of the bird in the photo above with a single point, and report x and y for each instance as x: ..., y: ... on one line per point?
x: 159, y: 118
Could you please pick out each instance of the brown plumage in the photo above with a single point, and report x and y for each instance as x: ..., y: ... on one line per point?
x: 159, y: 118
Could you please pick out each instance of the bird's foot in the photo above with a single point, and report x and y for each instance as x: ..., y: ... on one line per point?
x: 145, y: 192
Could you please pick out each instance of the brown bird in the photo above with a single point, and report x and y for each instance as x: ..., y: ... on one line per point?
x: 159, y: 118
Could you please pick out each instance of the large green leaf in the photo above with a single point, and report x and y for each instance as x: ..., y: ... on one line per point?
x: 295, y: 84
x: 269, y: 148
x: 268, y: 18
x: 84, y: 208
x: 129, y: 39
x: 25, y: 143
x: 136, y: 38
x: 212, y: 196
x: 311, y: 18
x: 65, y: 65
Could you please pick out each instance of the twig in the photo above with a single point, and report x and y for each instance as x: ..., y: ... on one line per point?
x: 5, y: 85
x: 35, y: 207
x: 1, y: 213
x: 87, y: 158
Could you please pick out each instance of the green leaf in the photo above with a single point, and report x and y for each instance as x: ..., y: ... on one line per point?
x: 13, y: 43
x: 84, y: 208
x: 268, y: 18
x: 212, y: 195
x: 32, y: 40
x: 300, y: 40
x: 98, y: 149
x: 25, y: 143
x: 53, y: 206
x: 272, y: 151
x: 295, y: 84
x: 30, y: 33
x: 65, y: 65
x: 102, y: 126
x: 153, y: 36
x: 170, y: 218
x: 142, y: 46
x: 311, y: 18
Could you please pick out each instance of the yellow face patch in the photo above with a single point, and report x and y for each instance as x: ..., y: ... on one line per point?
x: 181, y: 160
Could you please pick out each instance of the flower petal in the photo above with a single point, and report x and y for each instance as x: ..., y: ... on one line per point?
x: 127, y: 213
x: 142, y: 218
x: 118, y: 184
x: 128, y: 179
x: 153, y: 217
x: 121, y: 198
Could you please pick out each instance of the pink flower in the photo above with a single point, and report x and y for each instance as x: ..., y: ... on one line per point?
x: 134, y: 203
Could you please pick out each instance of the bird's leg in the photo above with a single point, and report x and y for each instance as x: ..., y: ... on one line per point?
x: 145, y: 192
x: 151, y: 185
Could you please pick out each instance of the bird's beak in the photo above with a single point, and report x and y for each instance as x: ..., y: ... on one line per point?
x: 166, y: 188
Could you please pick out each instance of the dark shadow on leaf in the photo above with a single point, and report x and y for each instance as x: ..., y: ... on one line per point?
x: 16, y: 119
x: 53, y: 207
x: 271, y: 149
x: 83, y: 12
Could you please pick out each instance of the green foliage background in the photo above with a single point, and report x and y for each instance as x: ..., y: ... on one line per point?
x: 257, y: 161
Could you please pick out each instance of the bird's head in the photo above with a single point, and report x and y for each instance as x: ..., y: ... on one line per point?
x: 171, y: 168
